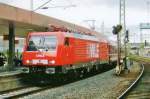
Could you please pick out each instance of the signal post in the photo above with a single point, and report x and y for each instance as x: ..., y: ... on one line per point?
x: 116, y: 31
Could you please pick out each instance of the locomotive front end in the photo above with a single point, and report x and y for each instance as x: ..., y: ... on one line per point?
x: 40, y: 53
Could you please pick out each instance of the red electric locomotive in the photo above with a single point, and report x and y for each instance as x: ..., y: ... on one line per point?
x: 59, y: 52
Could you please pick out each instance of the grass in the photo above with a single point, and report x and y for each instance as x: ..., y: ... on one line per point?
x: 139, y: 58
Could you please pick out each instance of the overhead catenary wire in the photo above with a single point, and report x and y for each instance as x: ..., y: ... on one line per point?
x: 42, y: 5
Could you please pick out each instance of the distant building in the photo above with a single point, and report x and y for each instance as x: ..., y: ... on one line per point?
x: 136, y: 48
x: 135, y: 45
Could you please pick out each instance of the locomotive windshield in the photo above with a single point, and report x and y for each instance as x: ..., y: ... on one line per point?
x: 44, y: 43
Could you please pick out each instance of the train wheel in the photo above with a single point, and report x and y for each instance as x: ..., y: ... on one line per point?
x: 97, y: 68
x: 85, y: 72
x: 81, y: 73
x: 62, y: 78
x: 76, y: 74
x: 70, y: 76
x: 93, y: 70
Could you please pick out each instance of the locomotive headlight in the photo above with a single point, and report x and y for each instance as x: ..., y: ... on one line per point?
x: 52, y: 62
x: 27, y: 61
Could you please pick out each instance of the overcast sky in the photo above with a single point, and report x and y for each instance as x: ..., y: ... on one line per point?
x: 100, y: 10
x: 103, y: 11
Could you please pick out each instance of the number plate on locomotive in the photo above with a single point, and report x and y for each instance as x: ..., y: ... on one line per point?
x: 40, y: 61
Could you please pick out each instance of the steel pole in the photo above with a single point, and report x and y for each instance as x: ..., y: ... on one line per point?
x: 118, y: 67
x: 125, y: 40
x: 125, y: 63
x: 118, y: 51
x: 31, y: 5
x: 11, y: 45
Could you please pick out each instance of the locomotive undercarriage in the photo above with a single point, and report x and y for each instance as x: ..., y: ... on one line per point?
x: 63, y: 73
x: 51, y: 70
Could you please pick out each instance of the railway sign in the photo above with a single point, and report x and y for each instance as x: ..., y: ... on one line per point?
x: 145, y: 26
x: 5, y: 37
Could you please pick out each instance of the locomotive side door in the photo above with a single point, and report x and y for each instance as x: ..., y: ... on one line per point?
x: 67, y: 50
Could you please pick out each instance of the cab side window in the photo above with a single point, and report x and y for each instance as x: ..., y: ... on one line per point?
x: 66, y: 43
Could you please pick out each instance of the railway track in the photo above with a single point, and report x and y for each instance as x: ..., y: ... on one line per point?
x: 29, y: 90
x: 140, y: 89
x: 21, y: 92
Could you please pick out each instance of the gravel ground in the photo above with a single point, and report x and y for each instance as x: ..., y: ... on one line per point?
x: 103, y: 86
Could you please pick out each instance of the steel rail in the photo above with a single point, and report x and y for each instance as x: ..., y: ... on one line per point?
x: 14, y: 89
x: 132, y: 85
x: 28, y: 93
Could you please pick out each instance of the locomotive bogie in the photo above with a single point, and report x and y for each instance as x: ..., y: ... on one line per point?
x: 60, y: 69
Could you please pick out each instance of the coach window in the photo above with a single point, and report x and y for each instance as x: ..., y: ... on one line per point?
x: 66, y: 43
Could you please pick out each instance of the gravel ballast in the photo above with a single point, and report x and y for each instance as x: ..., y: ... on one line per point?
x: 102, y: 86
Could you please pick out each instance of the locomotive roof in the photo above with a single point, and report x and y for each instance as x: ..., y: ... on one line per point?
x: 82, y: 36
x: 97, y: 38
